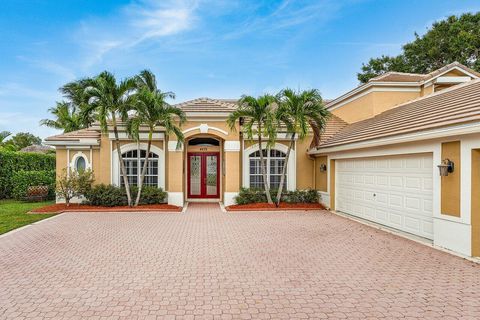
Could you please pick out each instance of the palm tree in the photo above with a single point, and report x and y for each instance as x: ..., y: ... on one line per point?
x: 110, y: 102
x: 67, y: 118
x: 300, y: 112
x: 152, y: 110
x: 258, y: 116
x: 69, y: 113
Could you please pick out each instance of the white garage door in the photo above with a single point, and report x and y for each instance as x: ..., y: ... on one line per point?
x: 394, y: 191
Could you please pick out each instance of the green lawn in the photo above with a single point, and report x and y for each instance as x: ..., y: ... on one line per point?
x: 13, y: 214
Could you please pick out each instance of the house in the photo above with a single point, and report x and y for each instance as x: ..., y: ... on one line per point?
x: 212, y: 165
x: 377, y: 159
x: 381, y: 162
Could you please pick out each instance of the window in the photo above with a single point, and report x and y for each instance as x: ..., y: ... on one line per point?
x: 134, y: 161
x: 80, y: 164
x: 274, y: 160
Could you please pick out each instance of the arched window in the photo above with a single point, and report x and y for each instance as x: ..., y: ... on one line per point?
x: 274, y: 160
x: 134, y: 161
x: 80, y: 164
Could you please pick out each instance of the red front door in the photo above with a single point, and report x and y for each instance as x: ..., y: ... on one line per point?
x: 203, y: 175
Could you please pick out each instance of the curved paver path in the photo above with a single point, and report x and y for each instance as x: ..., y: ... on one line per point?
x: 211, y: 265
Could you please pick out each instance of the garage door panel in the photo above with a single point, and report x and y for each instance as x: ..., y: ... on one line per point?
x: 396, y: 219
x: 395, y: 191
x: 427, y: 184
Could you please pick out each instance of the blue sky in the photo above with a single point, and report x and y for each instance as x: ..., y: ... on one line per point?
x: 198, y: 48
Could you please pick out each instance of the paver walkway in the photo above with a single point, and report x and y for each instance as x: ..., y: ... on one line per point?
x: 206, y: 264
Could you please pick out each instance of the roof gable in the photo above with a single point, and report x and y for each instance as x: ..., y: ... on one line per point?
x: 456, y: 105
x: 208, y: 105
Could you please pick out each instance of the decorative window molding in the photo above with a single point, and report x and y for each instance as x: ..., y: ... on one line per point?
x: 204, y: 128
x: 76, y: 158
x: 116, y: 176
x: 291, y: 167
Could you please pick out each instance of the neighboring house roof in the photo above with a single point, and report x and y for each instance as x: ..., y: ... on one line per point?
x: 78, y: 135
x: 208, y: 105
x: 37, y: 149
x: 456, y: 105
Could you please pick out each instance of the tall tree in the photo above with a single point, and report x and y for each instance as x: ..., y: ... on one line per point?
x: 153, y: 111
x: 110, y: 102
x: 456, y: 38
x: 301, y: 113
x: 22, y: 140
x: 258, y: 119
x: 69, y: 113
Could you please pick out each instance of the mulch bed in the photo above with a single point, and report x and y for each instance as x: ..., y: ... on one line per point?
x: 271, y: 207
x: 61, y: 207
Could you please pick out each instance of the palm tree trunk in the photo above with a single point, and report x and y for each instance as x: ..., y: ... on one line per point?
x: 262, y: 167
x: 144, y: 169
x: 123, y: 171
x: 284, y: 169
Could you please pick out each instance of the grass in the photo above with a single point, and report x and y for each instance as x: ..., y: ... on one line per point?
x: 13, y: 214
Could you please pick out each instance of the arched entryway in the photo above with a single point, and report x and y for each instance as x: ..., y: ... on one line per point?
x: 203, y: 163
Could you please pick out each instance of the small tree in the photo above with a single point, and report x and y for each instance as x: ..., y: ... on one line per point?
x: 74, y: 184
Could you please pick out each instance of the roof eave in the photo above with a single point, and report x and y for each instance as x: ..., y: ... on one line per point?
x: 441, y: 132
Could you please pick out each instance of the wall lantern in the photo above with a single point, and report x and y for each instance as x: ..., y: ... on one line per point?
x: 446, y: 167
x: 323, y: 167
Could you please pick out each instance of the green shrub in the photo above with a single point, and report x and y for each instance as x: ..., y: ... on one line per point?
x: 150, y: 195
x: 25, y: 179
x: 106, y: 195
x: 246, y: 196
x: 13, y: 162
x: 111, y: 196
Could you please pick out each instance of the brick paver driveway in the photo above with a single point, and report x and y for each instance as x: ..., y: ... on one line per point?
x: 208, y: 264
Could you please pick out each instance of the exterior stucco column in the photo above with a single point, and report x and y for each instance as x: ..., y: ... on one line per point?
x: 174, y: 171
x: 232, y: 171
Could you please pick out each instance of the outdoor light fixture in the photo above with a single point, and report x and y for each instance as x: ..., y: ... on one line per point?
x: 323, y: 167
x: 446, y: 167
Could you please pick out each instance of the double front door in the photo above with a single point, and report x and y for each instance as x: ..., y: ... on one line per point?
x: 203, y: 175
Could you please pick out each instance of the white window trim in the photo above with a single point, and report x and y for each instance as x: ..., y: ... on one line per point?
x: 291, y: 166
x: 80, y: 154
x: 134, y: 146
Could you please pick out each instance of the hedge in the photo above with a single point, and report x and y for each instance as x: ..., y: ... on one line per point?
x: 25, y: 179
x: 112, y: 196
x: 13, y: 162
x: 246, y: 196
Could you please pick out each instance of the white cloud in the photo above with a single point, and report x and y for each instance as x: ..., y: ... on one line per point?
x: 288, y: 14
x: 54, y: 68
x: 133, y: 25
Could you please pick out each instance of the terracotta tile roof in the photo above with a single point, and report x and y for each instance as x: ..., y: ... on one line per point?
x: 455, y: 105
x: 398, y: 77
x: 334, y: 125
x: 88, y: 133
x: 448, y: 67
x: 417, y: 77
x: 208, y: 105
